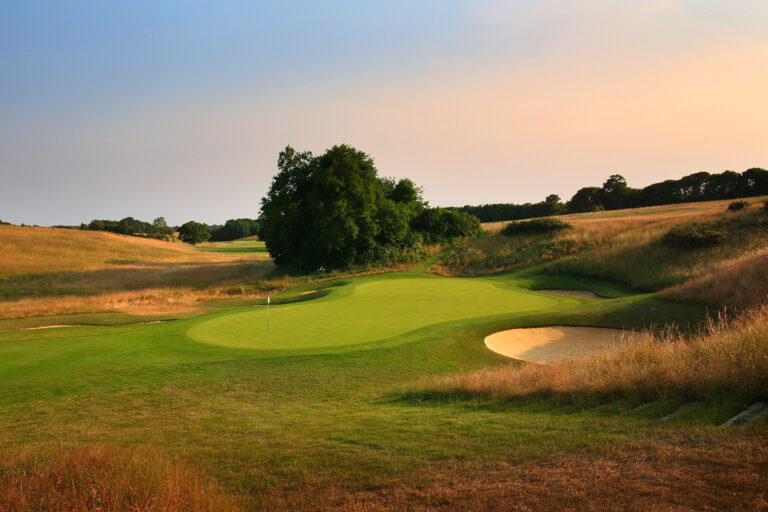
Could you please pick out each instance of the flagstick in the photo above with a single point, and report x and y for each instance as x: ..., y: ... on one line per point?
x: 267, y: 312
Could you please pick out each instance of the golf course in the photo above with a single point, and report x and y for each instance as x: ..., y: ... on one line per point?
x: 330, y: 404
x: 392, y: 256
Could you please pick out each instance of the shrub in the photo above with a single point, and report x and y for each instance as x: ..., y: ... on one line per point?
x: 194, y: 232
x: 693, y: 236
x: 442, y: 225
x: 542, y: 225
x: 737, y: 205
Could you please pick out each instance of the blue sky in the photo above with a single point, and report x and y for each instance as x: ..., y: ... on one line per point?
x: 110, y: 109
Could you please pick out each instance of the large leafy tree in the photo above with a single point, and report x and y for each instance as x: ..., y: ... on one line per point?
x: 333, y: 211
x: 194, y: 232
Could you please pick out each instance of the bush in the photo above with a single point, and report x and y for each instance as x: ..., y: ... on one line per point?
x: 693, y: 236
x: 737, y: 205
x: 442, y: 225
x: 542, y: 225
x: 194, y: 233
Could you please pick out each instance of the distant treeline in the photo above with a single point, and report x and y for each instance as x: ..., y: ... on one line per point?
x: 130, y: 226
x: 233, y: 229
x: 615, y: 194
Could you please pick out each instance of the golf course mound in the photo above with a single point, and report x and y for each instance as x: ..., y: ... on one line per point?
x: 546, y: 344
x: 375, y: 309
x: 574, y: 294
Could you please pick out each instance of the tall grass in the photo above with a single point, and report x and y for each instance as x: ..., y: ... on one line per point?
x: 106, y: 479
x: 738, y: 283
x: 638, y: 257
x: 728, y: 357
x: 496, y: 251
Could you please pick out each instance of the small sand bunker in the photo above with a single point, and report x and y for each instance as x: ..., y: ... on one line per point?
x: 51, y: 327
x: 546, y: 344
x: 576, y: 294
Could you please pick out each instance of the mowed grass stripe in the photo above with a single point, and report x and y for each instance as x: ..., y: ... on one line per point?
x: 374, y: 310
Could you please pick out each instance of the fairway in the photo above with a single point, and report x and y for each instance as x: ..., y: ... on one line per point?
x: 367, y: 312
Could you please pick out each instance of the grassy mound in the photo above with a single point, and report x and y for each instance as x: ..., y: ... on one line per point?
x: 542, y: 225
x: 693, y: 236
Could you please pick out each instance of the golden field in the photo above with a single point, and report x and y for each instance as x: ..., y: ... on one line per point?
x: 46, y: 271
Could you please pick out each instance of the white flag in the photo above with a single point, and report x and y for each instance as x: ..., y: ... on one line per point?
x: 267, y: 299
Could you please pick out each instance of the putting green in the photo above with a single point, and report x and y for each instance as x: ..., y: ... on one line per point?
x: 373, y: 310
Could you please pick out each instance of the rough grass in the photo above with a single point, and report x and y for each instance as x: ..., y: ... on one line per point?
x: 638, y: 257
x: 33, y: 250
x: 724, y: 476
x: 738, y: 283
x: 105, y: 479
x: 729, y: 358
x: 497, y: 252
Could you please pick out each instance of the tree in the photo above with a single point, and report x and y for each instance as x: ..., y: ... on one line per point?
x: 96, y: 225
x: 160, y: 229
x: 755, y: 182
x: 587, y: 199
x: 616, y: 194
x: 333, y: 211
x: 194, y: 232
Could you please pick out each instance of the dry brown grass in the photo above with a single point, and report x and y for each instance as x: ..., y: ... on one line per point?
x: 497, y: 252
x: 106, y: 479
x: 729, y: 357
x: 46, y: 271
x: 645, y: 214
x: 737, y: 283
x: 637, y: 257
x: 717, y: 474
x: 31, y: 250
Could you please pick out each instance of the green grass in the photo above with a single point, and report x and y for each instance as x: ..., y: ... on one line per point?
x: 297, y: 413
x: 365, y: 310
x: 235, y: 247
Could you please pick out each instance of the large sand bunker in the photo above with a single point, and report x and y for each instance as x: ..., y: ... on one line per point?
x: 545, y: 344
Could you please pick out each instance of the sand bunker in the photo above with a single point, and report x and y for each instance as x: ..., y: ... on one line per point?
x: 51, y: 327
x: 546, y: 344
x: 576, y: 294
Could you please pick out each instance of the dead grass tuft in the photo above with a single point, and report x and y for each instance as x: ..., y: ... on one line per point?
x: 106, y: 479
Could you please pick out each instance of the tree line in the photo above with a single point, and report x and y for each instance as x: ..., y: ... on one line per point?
x: 190, y: 232
x: 616, y: 194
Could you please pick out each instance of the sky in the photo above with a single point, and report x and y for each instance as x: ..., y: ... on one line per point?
x: 180, y: 108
